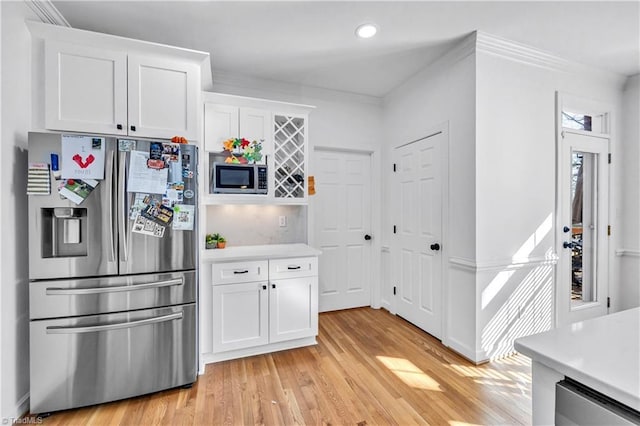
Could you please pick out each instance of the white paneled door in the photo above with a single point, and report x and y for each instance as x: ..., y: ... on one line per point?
x: 418, y: 232
x: 342, y: 211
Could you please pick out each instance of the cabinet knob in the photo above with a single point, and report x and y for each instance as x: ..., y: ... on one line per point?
x: 264, y: 287
x: 273, y: 286
x: 119, y: 126
x: 435, y: 247
x: 133, y: 128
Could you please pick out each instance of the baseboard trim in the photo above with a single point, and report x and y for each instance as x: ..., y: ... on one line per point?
x: 259, y: 350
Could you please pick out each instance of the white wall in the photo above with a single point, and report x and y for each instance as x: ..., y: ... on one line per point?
x: 516, y: 186
x: 628, y: 158
x: 441, y: 93
x: 16, y: 116
x: 498, y: 98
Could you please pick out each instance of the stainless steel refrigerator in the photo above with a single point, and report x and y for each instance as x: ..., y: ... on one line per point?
x: 112, y: 289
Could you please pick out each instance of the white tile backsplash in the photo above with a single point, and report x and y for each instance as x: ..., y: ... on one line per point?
x: 258, y: 224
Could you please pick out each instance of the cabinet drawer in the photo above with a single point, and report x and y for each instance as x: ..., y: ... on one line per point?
x: 293, y: 267
x: 240, y: 272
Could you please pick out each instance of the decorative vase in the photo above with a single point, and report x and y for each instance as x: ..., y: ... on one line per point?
x: 222, y: 245
x: 211, y: 245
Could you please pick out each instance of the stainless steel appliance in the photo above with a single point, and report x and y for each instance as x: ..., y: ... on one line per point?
x: 238, y: 178
x: 112, y: 310
x: 577, y: 404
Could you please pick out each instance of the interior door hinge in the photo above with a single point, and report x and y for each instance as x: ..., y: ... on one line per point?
x: 394, y: 290
x: 394, y: 167
x: 609, y: 158
x: 609, y: 230
x: 608, y: 301
x: 394, y: 229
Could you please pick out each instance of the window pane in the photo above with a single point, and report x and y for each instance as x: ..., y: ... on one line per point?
x: 583, y: 229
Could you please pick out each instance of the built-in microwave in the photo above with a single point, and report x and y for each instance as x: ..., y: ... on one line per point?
x: 238, y: 178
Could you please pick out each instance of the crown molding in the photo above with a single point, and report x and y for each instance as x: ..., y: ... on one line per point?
x: 47, y: 12
x: 518, y: 52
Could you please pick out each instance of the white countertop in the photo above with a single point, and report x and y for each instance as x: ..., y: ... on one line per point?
x: 602, y: 353
x: 268, y: 251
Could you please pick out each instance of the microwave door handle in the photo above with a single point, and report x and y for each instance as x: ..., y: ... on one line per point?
x: 122, y: 205
x: 110, y: 186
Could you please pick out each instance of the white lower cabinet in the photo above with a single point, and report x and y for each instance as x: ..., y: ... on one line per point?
x: 253, y: 315
x: 293, y: 308
x: 240, y: 315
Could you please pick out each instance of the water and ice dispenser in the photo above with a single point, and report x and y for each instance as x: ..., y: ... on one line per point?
x: 64, y: 231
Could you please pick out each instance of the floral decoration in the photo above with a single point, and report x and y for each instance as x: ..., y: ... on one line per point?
x: 242, y: 151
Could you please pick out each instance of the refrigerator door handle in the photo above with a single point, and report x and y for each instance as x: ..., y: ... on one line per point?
x: 129, y: 324
x: 122, y: 205
x: 112, y: 229
x: 56, y: 291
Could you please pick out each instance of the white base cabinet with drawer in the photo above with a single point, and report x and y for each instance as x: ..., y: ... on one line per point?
x: 263, y: 306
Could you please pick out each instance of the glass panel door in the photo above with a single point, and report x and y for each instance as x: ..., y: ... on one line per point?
x: 583, y: 224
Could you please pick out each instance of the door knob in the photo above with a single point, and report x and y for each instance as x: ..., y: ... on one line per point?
x: 567, y: 244
x: 435, y: 247
x: 367, y: 237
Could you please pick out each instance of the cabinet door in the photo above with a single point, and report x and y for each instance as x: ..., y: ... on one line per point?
x: 293, y: 308
x: 85, y: 89
x: 290, y: 157
x: 240, y: 316
x: 220, y: 124
x: 255, y: 125
x: 163, y: 97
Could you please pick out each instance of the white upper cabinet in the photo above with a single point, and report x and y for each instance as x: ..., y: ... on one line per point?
x: 281, y: 127
x: 255, y: 125
x: 222, y: 122
x: 85, y: 89
x: 99, y: 83
x: 163, y: 97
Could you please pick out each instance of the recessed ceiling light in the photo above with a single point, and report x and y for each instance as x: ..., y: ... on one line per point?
x: 366, y: 30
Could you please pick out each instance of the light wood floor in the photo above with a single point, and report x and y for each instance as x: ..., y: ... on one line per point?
x: 369, y: 368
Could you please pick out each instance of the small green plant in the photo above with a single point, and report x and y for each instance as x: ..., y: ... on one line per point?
x: 211, y: 240
x: 221, y: 239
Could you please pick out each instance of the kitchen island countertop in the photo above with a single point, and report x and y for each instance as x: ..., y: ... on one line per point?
x: 267, y: 251
x: 602, y: 353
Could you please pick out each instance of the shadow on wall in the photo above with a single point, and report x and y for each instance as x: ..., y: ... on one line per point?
x: 518, y: 300
x: 16, y: 235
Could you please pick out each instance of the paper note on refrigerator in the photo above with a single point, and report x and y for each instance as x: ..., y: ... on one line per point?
x: 184, y: 217
x: 82, y: 157
x: 143, y: 178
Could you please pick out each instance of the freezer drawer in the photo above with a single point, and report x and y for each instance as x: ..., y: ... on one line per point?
x: 94, y: 359
x: 65, y: 298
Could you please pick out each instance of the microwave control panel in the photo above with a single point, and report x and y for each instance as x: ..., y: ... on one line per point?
x: 262, y: 180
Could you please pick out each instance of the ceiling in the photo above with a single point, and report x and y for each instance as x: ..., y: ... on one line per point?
x: 313, y: 43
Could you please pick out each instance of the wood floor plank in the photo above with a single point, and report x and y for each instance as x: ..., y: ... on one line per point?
x: 369, y: 368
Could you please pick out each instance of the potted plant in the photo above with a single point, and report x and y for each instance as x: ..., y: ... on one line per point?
x: 211, y: 240
x: 221, y: 242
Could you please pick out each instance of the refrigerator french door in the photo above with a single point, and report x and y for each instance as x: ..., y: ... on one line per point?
x: 95, y: 238
x: 112, y: 311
